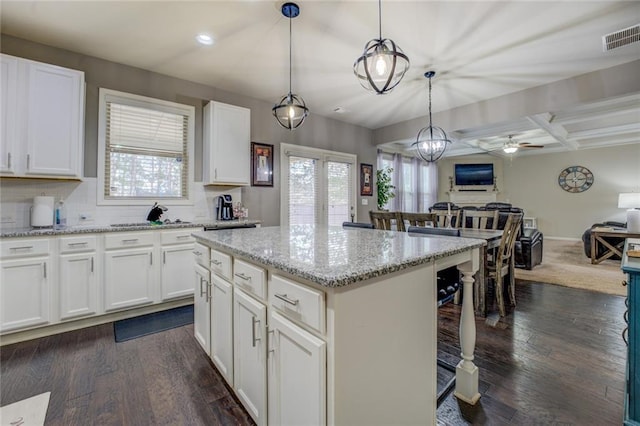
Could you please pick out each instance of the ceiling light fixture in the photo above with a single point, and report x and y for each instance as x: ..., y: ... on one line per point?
x: 511, y: 146
x: 204, y: 39
x: 291, y: 109
x: 382, y: 64
x: 431, y: 141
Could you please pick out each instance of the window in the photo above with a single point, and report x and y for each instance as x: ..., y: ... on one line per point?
x: 318, y: 186
x: 145, y: 145
x: 416, y: 182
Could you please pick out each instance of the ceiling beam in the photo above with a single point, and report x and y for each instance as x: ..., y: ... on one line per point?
x: 555, y: 130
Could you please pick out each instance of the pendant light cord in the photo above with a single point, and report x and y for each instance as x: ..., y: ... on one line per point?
x: 430, y: 102
x: 380, y: 19
x: 290, y: 19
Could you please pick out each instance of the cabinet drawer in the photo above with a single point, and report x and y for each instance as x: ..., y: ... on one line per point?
x: 128, y: 239
x: 297, y: 302
x: 221, y: 264
x: 250, y: 278
x: 178, y: 236
x: 201, y: 254
x: 77, y: 244
x: 21, y: 248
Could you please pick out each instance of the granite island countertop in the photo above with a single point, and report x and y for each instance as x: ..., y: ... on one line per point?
x: 116, y: 227
x: 333, y: 256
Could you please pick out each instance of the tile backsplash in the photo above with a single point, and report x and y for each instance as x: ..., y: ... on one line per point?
x: 16, y: 199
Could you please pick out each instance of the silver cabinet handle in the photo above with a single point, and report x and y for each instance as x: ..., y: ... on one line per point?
x: 209, y: 291
x: 254, y: 339
x: 164, y: 257
x: 131, y: 240
x: 215, y: 173
x: 91, y: 263
x: 284, y: 298
x: 150, y: 258
x: 270, y: 333
x: 202, y: 293
x: 216, y: 262
x: 197, y: 253
x: 78, y: 244
x: 21, y: 248
x: 243, y: 276
x: 182, y: 237
x: 9, y: 160
x: 28, y: 161
x: 45, y: 269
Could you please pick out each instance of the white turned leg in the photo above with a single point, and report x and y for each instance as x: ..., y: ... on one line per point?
x: 466, y: 371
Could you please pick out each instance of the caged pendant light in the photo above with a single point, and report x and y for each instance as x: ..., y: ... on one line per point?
x: 382, y: 64
x: 431, y: 141
x: 291, y: 109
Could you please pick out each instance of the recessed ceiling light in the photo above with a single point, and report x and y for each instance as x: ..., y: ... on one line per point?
x: 204, y: 39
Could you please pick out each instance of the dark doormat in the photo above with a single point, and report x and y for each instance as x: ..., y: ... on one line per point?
x: 143, y: 325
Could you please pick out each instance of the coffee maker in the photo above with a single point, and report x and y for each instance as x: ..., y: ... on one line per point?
x: 224, y: 210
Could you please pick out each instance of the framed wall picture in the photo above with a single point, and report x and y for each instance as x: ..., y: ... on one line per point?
x: 261, y: 164
x: 366, y: 179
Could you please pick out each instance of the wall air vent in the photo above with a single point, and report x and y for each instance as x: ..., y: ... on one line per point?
x: 621, y: 38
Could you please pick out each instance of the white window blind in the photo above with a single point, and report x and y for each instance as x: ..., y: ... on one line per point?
x: 339, y: 184
x: 303, y: 190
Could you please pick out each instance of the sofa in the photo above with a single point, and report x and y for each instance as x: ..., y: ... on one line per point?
x: 528, y: 248
x: 586, y: 239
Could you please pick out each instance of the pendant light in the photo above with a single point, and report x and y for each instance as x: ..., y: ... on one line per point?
x: 431, y: 141
x: 382, y: 64
x: 291, y: 110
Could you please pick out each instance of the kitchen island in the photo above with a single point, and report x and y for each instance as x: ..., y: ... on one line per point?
x: 332, y: 325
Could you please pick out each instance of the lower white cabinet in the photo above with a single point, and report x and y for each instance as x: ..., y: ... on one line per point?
x: 201, y: 309
x: 128, y: 277
x: 78, y: 285
x: 24, y: 293
x: 296, y: 374
x: 222, y: 326
x: 250, y: 354
x: 176, y: 265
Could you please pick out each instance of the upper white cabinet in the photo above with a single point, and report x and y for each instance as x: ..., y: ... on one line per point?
x: 42, y: 120
x: 227, y: 140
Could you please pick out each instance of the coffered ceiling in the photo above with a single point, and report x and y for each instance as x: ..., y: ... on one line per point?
x: 479, y: 49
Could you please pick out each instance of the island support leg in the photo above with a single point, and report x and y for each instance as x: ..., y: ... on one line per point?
x: 466, y: 371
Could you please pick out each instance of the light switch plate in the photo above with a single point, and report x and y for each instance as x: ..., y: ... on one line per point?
x: 365, y: 201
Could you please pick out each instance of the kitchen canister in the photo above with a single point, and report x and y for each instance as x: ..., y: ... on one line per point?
x: 42, y: 212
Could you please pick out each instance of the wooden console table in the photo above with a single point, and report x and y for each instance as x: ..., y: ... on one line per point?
x: 597, y: 237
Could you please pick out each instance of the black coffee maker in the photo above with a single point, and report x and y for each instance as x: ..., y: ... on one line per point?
x: 224, y: 210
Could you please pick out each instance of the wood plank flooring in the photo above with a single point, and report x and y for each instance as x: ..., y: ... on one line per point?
x: 558, y: 358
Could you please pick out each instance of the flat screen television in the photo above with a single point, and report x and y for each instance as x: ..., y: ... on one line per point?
x: 474, y: 174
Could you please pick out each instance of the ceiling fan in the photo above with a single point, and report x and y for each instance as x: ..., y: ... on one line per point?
x: 512, y: 146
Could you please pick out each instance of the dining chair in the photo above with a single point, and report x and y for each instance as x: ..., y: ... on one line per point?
x: 386, y: 220
x: 479, y: 219
x: 418, y: 219
x: 442, y: 220
x: 357, y: 225
x: 501, y: 264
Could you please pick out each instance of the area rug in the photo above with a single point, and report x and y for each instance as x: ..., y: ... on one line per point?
x: 30, y: 411
x: 144, y: 325
x: 564, y: 263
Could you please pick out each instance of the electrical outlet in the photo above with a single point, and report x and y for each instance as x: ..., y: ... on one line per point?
x: 7, y: 218
x: 365, y: 201
x: 85, y: 217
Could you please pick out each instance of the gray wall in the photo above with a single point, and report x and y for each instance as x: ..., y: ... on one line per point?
x: 263, y: 203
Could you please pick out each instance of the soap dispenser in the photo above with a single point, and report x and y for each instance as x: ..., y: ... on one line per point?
x: 61, y: 215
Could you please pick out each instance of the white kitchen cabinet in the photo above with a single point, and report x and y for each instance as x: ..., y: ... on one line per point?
x: 128, y: 278
x: 43, y: 134
x: 78, y: 277
x: 8, y: 110
x: 227, y: 139
x: 201, y: 308
x: 177, y: 258
x: 250, y: 354
x: 25, y: 283
x: 296, y: 375
x: 222, y: 326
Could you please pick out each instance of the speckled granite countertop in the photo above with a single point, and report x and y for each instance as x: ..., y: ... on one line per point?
x: 333, y: 256
x: 119, y: 227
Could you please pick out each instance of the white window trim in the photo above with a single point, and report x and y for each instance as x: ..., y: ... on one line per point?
x: 144, y: 102
x: 323, y: 156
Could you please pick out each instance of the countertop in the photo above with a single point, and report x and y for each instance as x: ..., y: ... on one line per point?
x: 118, y: 227
x: 333, y: 256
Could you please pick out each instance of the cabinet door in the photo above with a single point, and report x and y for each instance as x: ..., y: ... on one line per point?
x: 177, y: 263
x: 8, y: 112
x: 54, y: 127
x: 24, y: 293
x: 222, y: 326
x: 78, y: 285
x: 227, y: 136
x: 201, y: 310
x: 249, y: 355
x: 128, y: 278
x: 297, y: 374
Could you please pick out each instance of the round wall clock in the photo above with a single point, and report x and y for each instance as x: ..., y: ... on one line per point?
x: 575, y: 179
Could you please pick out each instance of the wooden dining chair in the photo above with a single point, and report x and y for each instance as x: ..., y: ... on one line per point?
x: 386, y: 220
x: 442, y: 221
x: 418, y: 219
x: 479, y: 219
x: 501, y: 264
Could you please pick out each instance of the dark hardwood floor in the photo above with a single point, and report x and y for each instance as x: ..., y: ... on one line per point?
x: 558, y: 358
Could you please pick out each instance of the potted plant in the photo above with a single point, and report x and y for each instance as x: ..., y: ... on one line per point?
x: 384, y: 186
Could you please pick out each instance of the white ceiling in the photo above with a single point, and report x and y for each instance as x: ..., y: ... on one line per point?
x: 479, y: 49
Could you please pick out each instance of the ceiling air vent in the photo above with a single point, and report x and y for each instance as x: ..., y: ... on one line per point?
x: 621, y: 38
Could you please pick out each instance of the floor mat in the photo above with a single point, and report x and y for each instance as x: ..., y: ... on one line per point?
x: 30, y: 411
x: 132, y: 328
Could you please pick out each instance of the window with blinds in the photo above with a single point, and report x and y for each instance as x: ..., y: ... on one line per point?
x: 319, y: 186
x: 146, y: 146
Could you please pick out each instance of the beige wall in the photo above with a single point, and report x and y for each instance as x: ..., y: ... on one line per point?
x: 263, y: 203
x: 531, y: 182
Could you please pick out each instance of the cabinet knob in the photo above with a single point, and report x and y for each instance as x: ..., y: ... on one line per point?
x: 624, y: 283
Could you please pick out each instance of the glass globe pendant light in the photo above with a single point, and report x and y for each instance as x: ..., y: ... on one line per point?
x: 291, y: 110
x: 431, y: 141
x: 382, y: 64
